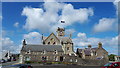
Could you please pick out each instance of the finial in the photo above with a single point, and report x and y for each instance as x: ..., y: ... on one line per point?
x: 42, y: 36
x: 70, y: 35
x: 24, y: 42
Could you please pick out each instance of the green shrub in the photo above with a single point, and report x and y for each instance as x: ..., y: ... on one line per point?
x: 28, y: 62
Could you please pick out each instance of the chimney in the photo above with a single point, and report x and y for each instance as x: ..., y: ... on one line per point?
x: 99, y: 45
x: 89, y: 46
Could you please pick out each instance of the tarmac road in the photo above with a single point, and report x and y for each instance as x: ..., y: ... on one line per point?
x: 64, y: 66
x: 9, y: 63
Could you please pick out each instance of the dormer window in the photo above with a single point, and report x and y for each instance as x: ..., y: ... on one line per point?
x: 44, y: 52
x: 28, y: 52
x: 55, y: 52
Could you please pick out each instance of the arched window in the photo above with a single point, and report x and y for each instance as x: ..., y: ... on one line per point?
x: 48, y: 42
x: 43, y: 52
x: 55, y: 52
x: 54, y: 43
x: 68, y: 48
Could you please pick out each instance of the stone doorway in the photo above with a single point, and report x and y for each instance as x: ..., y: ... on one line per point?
x: 61, y: 58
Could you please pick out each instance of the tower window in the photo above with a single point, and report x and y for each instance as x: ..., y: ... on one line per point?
x: 68, y: 48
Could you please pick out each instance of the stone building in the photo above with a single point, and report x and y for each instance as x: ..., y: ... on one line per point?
x: 93, y: 53
x: 60, y: 48
x: 117, y: 58
x: 53, y: 48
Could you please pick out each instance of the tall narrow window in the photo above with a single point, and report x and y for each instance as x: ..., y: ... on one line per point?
x: 68, y: 48
x: 55, y: 52
x: 44, y: 52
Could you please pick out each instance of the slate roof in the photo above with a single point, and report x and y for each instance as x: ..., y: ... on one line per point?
x: 42, y: 48
x: 87, y: 51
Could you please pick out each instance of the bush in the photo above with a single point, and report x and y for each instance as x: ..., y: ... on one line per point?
x: 40, y: 62
x: 28, y: 62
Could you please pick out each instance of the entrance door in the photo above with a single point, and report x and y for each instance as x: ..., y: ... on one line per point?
x: 44, y: 58
x: 61, y: 58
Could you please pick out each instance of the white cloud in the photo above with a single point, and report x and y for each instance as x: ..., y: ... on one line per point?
x: 82, y: 40
x: 9, y: 45
x: 70, y: 31
x: 81, y: 35
x: 105, y: 24
x: 48, y: 18
x: 75, y: 15
x: 33, y: 38
x: 117, y: 6
x: 16, y: 24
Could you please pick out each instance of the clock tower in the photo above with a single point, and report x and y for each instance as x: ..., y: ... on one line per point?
x: 60, y: 31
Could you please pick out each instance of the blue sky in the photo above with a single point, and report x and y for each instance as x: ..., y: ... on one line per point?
x: 96, y: 22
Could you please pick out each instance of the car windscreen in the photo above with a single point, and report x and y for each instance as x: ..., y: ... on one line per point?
x: 108, y: 64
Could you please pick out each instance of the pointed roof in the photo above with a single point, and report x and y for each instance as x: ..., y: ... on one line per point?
x: 50, y: 35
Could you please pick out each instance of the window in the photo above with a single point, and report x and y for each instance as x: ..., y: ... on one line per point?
x: 116, y: 65
x: 28, y: 52
x: 95, y: 53
x: 67, y: 48
x: 76, y: 60
x: 71, y: 60
x: 48, y: 42
x: 44, y: 58
x: 56, y: 58
x: 54, y: 43
x: 44, y: 52
x: 55, y: 52
x: 27, y: 58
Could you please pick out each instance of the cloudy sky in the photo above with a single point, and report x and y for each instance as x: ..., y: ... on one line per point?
x: 89, y: 23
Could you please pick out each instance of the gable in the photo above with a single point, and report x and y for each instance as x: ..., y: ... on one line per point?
x: 50, y: 37
x: 101, y: 50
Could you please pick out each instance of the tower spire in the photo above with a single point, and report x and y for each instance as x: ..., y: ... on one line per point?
x: 60, y: 31
x: 24, y: 43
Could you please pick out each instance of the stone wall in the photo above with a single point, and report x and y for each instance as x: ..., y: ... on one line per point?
x: 91, y: 62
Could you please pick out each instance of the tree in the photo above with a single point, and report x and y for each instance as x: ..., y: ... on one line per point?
x: 111, y: 57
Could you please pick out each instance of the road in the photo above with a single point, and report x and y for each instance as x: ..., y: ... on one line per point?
x: 63, y: 66
x: 9, y: 63
x: 52, y: 66
x: 68, y: 66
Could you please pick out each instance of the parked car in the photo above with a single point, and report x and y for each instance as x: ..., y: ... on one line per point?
x: 112, y: 65
x: 14, y: 59
x: 19, y: 66
x: 2, y: 61
x: 8, y: 60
